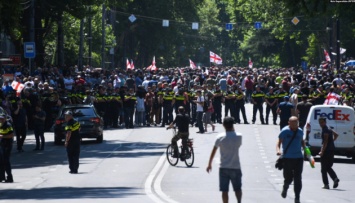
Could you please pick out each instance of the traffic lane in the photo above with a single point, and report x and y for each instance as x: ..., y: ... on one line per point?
x: 117, y: 168
x: 196, y: 185
x: 260, y: 178
x: 311, y: 177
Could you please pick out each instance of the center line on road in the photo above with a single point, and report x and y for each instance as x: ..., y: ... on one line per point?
x: 149, y: 182
x: 154, y: 181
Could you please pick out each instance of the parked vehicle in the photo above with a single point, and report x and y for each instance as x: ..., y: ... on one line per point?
x: 340, y: 119
x: 91, y: 124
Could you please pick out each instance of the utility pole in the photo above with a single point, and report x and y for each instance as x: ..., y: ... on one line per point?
x: 338, y: 45
x: 90, y: 37
x: 81, y: 46
x: 103, y: 43
x: 32, y: 31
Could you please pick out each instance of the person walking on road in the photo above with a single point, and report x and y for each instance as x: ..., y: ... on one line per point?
x: 327, y: 154
x: 285, y: 110
x: 6, y: 140
x: 39, y: 125
x: 199, y: 110
x: 72, y: 142
x: 303, y: 109
x: 291, y: 137
x: 230, y: 170
x: 20, y: 124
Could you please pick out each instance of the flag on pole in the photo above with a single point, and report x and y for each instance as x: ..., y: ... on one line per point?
x: 128, y: 65
x: 132, y: 65
x: 327, y: 58
x: 332, y: 99
x: 192, y: 64
x: 250, y: 63
x: 214, y: 58
x: 153, y: 66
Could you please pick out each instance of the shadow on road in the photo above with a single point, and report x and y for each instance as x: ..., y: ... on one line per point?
x: 68, y: 193
x: 55, y: 155
x: 339, y: 160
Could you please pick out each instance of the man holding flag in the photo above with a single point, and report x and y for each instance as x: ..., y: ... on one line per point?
x: 332, y: 98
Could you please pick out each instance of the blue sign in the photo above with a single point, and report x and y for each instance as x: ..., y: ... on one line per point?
x: 29, y: 49
x: 257, y: 25
x: 304, y: 65
x: 229, y: 26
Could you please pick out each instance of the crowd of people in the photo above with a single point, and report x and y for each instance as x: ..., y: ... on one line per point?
x: 134, y: 98
x: 137, y: 98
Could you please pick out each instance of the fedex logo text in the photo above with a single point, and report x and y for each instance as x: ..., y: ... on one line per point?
x: 335, y: 115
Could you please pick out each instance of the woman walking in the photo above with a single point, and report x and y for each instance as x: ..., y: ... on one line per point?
x: 208, y: 113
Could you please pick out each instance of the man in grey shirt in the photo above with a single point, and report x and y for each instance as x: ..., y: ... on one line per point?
x: 229, y: 170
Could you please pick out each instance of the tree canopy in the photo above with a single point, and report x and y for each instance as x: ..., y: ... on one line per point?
x: 278, y: 43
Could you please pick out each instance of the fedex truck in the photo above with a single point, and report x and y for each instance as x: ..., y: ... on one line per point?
x: 340, y: 119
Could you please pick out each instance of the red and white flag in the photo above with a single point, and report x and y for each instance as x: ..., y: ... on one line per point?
x: 153, y: 67
x: 214, y: 58
x: 327, y: 58
x: 250, y: 63
x: 128, y: 65
x: 181, y: 71
x: 192, y: 64
x: 132, y: 65
x: 332, y: 99
x: 17, y: 86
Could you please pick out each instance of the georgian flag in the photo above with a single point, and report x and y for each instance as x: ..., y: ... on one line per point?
x: 192, y: 64
x: 128, y: 65
x: 132, y: 65
x: 327, y: 58
x: 152, y: 67
x: 332, y: 99
x: 214, y: 58
x: 250, y: 63
x: 17, y: 86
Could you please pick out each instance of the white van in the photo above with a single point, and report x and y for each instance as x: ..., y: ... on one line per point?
x: 341, y: 119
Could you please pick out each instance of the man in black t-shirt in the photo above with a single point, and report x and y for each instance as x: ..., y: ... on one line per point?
x: 303, y: 109
x: 182, y: 121
x: 72, y: 142
x: 327, y: 154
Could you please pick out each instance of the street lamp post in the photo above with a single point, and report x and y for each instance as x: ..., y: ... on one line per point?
x: 338, y: 44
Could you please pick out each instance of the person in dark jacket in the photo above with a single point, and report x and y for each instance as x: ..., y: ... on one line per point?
x: 20, y: 124
x: 39, y: 127
x: 72, y: 142
x: 6, y: 140
x: 327, y: 154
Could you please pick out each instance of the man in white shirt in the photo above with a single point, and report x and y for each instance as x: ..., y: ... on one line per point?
x: 338, y: 80
x: 68, y: 83
x: 229, y: 170
x: 145, y: 83
x: 199, y: 110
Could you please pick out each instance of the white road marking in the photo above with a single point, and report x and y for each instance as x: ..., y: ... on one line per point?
x: 149, y: 182
x: 157, y: 184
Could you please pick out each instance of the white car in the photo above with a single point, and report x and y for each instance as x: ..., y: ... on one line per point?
x: 340, y: 119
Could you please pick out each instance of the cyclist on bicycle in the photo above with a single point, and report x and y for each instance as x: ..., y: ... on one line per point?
x: 182, y: 121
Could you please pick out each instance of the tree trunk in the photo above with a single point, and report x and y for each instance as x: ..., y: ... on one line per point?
x: 60, y: 41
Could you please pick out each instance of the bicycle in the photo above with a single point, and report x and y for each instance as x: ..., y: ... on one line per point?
x: 188, y: 157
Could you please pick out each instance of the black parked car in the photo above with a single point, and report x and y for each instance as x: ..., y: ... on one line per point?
x: 91, y: 124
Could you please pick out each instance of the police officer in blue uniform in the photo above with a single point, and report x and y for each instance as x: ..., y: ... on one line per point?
x: 72, y: 142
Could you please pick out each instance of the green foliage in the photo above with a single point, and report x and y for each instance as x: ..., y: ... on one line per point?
x: 278, y: 43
